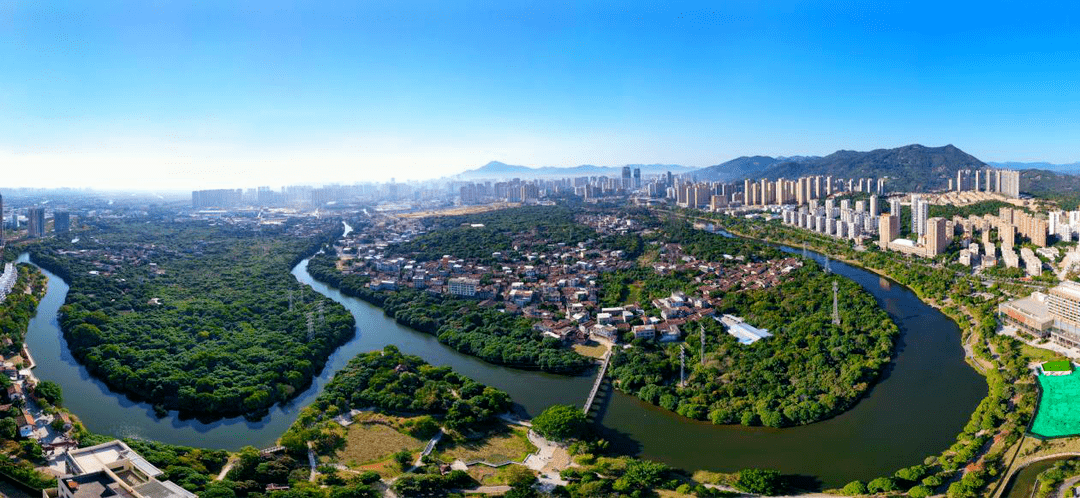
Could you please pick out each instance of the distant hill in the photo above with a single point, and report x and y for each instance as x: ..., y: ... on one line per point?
x: 909, y: 168
x: 1071, y: 168
x: 735, y: 169
x: 497, y: 170
x: 1062, y: 188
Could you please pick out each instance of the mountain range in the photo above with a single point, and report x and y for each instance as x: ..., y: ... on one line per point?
x: 909, y: 168
x: 497, y: 170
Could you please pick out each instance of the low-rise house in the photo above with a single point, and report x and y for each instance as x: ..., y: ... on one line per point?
x: 644, y: 331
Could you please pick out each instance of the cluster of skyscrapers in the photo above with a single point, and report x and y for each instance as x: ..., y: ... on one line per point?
x: 843, y: 221
x: 1002, y: 181
x: 801, y: 191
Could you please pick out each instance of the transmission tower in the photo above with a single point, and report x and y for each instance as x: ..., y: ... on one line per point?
x: 290, y: 300
x: 835, y: 304
x: 322, y: 316
x: 804, y: 253
x: 828, y: 268
x: 682, y: 366
x: 702, y: 344
x: 310, y: 326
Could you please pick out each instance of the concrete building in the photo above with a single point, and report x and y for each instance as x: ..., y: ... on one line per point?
x: 744, y: 332
x: 465, y: 287
x: 937, y: 238
x: 888, y: 229
x: 35, y: 222
x: 61, y: 222
x: 113, y: 470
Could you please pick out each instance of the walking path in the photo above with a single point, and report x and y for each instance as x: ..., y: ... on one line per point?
x: 598, y: 382
x: 1063, y: 491
x: 1023, y: 464
x: 312, y: 461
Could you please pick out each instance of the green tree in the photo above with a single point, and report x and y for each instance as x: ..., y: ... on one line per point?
x: 920, y: 491
x: 50, y: 391
x: 403, y: 459
x: 854, y: 488
x: 560, y: 422
x: 759, y: 481
x: 881, y: 485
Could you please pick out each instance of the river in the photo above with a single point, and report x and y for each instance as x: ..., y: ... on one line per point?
x: 924, y: 399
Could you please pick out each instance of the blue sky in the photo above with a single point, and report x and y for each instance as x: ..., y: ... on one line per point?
x: 207, y: 93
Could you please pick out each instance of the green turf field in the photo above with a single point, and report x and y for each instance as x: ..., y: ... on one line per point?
x: 1059, y: 407
x: 1057, y: 366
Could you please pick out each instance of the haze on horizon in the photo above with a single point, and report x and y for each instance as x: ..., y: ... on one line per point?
x: 175, y: 95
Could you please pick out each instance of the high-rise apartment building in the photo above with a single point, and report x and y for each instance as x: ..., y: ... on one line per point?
x: 1, y: 220
x: 888, y: 229
x: 874, y: 212
x: 35, y: 222
x: 920, y: 210
x: 937, y: 237
x: 61, y: 222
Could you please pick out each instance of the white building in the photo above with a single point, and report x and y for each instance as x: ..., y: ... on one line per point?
x: 462, y: 286
x: 113, y: 469
x: 744, y: 332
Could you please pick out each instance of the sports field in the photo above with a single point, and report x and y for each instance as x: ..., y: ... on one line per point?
x: 1059, y: 407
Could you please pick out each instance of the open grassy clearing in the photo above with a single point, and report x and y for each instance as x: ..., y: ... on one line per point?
x: 505, y: 444
x: 374, y: 438
x: 1039, y: 354
x: 592, y: 349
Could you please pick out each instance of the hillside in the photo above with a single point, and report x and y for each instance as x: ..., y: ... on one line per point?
x: 735, y: 169
x: 1061, y: 188
x: 909, y: 168
x: 497, y: 170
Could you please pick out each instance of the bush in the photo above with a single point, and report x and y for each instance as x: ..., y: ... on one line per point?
x: 920, y: 491
x: 560, y: 422
x: 759, y: 481
x: 881, y: 485
x: 854, y: 488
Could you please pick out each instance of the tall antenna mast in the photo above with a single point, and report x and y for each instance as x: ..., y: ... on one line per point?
x: 682, y: 366
x: 835, y: 304
x: 702, y: 344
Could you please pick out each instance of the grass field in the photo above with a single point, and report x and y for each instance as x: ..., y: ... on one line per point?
x: 1039, y: 354
x: 1059, y: 407
x: 592, y: 349
x: 369, y: 440
x: 510, y: 443
x: 1057, y: 366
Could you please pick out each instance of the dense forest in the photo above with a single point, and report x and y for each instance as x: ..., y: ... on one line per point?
x: 395, y: 382
x: 809, y: 370
x: 463, y: 325
x: 201, y: 318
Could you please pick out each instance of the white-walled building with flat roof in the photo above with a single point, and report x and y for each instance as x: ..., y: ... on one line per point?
x: 744, y: 332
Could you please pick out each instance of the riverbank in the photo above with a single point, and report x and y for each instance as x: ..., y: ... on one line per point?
x: 926, y: 391
x: 977, y: 336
